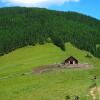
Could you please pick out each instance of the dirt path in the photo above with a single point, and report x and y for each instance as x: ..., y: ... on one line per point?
x: 47, y: 68
x: 44, y: 68
x: 94, y: 91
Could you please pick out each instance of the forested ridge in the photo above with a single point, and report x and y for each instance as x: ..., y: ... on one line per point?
x: 20, y: 26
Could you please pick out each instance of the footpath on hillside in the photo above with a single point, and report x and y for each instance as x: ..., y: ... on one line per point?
x: 94, y: 90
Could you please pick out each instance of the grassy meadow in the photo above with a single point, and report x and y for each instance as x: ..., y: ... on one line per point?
x: 17, y: 82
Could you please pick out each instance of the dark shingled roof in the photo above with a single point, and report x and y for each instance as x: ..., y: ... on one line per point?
x: 71, y: 58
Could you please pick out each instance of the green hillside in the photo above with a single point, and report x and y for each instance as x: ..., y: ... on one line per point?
x: 17, y: 82
x: 20, y: 27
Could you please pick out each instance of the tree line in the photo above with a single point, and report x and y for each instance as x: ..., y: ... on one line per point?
x: 20, y: 27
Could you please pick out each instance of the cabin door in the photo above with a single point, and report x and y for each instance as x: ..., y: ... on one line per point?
x: 71, y: 62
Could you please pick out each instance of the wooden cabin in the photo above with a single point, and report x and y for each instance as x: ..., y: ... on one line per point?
x: 71, y: 60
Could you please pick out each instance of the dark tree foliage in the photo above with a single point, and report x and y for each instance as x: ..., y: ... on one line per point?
x: 20, y: 27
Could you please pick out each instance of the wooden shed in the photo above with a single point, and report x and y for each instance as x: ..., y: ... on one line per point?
x: 71, y: 60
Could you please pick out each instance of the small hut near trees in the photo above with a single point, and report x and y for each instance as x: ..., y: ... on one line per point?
x: 71, y: 60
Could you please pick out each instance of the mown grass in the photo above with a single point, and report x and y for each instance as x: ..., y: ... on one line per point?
x: 17, y: 82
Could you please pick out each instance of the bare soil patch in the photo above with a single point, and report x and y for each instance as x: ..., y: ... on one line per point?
x: 94, y: 91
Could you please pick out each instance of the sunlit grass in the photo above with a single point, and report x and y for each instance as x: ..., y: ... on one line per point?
x: 17, y: 82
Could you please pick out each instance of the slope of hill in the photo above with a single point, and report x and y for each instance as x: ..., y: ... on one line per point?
x: 20, y: 27
x: 17, y: 82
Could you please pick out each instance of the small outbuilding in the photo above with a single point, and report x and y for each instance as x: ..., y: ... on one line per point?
x: 71, y: 60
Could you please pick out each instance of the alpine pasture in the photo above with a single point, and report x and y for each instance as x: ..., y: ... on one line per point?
x: 18, y: 82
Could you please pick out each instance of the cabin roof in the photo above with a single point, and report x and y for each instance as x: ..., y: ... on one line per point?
x: 71, y: 58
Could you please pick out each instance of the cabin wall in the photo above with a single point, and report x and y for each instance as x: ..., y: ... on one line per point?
x: 71, y: 62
